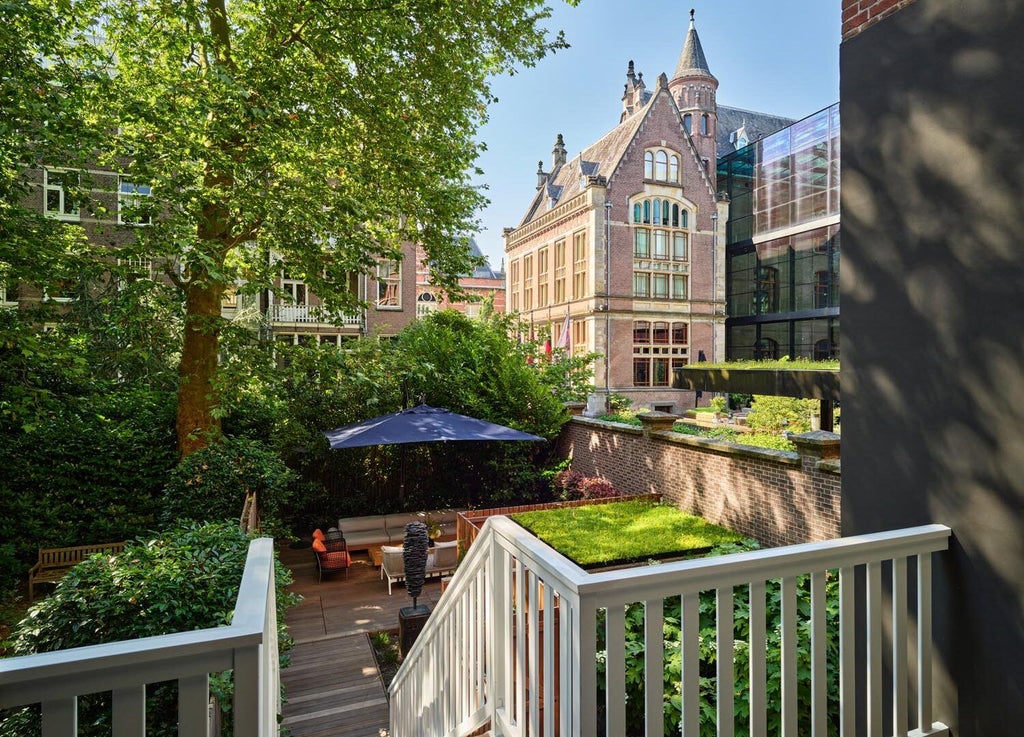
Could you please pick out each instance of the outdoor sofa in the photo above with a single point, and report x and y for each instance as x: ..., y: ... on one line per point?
x: 441, y: 559
x: 362, y: 533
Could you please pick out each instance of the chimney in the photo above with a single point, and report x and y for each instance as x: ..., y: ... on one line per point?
x: 542, y: 176
x: 558, y: 154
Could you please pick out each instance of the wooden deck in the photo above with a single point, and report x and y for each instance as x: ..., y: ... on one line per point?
x: 333, y: 687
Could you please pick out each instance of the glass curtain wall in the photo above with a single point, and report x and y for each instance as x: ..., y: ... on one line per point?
x: 783, y: 292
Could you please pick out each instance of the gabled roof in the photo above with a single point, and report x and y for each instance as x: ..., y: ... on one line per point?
x: 602, y: 157
x: 485, y: 271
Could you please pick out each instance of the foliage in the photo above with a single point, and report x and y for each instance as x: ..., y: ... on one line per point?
x: 741, y: 657
x: 328, y: 137
x: 628, y: 530
x: 211, y: 484
x: 593, y: 487
x: 566, y: 482
x: 719, y: 404
x: 89, y: 470
x: 625, y: 416
x: 776, y: 414
x: 185, y: 580
x: 755, y: 439
x: 619, y: 402
x: 737, y: 401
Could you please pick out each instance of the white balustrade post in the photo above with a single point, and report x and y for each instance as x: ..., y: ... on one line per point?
x: 498, y: 610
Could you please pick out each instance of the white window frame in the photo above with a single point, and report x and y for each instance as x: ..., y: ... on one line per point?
x: 62, y: 212
x: 132, y: 198
x: 389, y: 285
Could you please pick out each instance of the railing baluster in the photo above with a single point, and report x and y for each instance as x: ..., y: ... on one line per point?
x: 60, y: 717
x: 690, y: 646
x: 724, y: 624
x: 194, y: 699
x: 519, y: 713
x: 847, y: 653
x: 567, y: 701
x: 615, y: 670
x: 924, y: 641
x: 128, y: 718
x: 654, y: 667
x: 819, y: 665
x: 533, y: 653
x: 789, y: 648
x: 899, y: 647
x: 874, y: 654
x: 549, y: 661
x: 585, y: 665
x: 758, y: 665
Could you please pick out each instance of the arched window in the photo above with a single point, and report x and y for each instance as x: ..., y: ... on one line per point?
x: 673, y: 168
x: 636, y: 213
x: 766, y: 348
x: 657, y: 211
x: 824, y: 350
x: 683, y: 219
x: 688, y: 123
x: 660, y: 333
x: 664, y: 212
x: 647, y: 211
x: 675, y: 216
x: 661, y: 171
x: 641, y: 331
x: 648, y: 165
x: 704, y: 124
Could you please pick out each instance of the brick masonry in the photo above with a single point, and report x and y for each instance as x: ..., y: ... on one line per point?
x: 779, y: 498
x: 861, y: 14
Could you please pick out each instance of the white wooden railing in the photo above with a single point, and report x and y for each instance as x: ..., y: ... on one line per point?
x: 310, y: 314
x: 513, y: 642
x: 248, y: 645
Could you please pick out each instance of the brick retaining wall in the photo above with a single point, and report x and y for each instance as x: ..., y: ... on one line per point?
x: 778, y: 497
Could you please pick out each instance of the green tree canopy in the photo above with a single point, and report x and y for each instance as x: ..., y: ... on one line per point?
x: 317, y: 134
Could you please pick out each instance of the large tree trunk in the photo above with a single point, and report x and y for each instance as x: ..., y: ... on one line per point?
x: 196, y: 394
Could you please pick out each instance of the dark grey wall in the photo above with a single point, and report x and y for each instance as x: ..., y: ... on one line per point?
x: 933, y: 325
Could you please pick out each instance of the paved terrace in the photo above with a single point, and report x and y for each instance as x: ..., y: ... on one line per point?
x: 333, y: 687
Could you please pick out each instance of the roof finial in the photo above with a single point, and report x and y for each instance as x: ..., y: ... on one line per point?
x: 691, y: 17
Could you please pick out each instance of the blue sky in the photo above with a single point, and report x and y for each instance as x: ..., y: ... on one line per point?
x: 775, y: 56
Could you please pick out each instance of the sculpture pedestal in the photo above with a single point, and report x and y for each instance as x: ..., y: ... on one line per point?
x: 411, y: 620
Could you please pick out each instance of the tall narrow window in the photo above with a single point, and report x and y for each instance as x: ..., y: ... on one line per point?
x: 661, y: 244
x: 542, y: 277
x: 580, y: 280
x: 679, y: 250
x: 657, y: 211
x: 641, y: 243
x: 641, y: 284
x: 673, y: 168
x: 661, y: 166
x: 132, y: 203
x: 636, y: 212
x: 821, y: 289
x: 559, y: 271
x: 389, y: 285
x: 767, y: 294
x: 688, y: 123
x: 514, y: 284
x: 648, y: 165
x: 704, y: 124
x: 58, y: 201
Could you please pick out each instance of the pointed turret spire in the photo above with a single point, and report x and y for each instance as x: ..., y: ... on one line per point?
x: 558, y: 153
x: 692, y: 58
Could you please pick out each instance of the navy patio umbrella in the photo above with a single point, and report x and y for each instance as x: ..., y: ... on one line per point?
x: 422, y: 424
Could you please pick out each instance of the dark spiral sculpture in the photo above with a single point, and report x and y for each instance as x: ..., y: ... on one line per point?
x: 414, y: 556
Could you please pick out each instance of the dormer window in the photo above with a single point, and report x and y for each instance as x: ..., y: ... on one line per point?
x: 661, y: 165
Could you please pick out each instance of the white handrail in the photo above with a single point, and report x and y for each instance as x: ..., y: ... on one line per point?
x: 513, y: 641
x: 56, y: 679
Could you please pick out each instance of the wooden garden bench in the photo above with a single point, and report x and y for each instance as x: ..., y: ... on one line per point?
x: 55, y: 562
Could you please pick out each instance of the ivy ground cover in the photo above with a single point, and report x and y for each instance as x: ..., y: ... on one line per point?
x: 623, y: 531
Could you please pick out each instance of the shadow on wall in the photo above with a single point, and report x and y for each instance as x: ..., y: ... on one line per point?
x: 933, y: 320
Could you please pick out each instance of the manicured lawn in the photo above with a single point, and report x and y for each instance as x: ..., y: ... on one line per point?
x: 623, y: 531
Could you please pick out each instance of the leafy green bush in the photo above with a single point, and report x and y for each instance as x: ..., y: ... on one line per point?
x: 741, y: 654
x: 211, y: 484
x: 719, y: 405
x: 775, y: 414
x: 186, y: 580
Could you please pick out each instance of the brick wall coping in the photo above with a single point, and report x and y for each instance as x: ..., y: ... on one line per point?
x: 724, y: 447
x: 831, y: 465
x: 606, y: 425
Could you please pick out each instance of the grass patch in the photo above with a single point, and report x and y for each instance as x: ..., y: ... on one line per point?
x: 623, y: 531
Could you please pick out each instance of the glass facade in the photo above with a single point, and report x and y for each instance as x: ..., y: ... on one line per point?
x: 783, y: 292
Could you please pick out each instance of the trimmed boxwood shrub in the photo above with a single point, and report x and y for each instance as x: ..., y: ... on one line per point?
x: 186, y: 579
